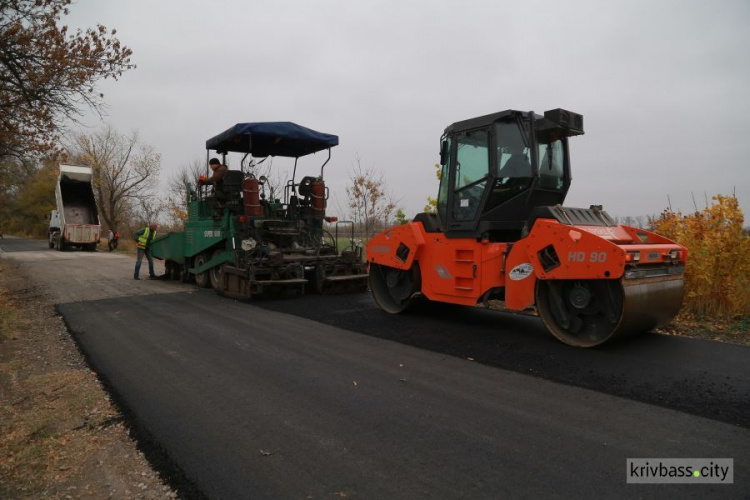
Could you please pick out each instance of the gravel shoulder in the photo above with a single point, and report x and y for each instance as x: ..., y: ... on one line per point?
x: 60, y: 434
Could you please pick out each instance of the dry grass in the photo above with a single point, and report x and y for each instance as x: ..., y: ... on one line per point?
x: 733, y: 331
x: 60, y: 435
x: 44, y: 413
x: 125, y: 246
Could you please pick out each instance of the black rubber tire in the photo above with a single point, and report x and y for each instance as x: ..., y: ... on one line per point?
x: 203, y: 280
x: 214, y: 273
x: 185, y: 276
x: 172, y: 270
x: 176, y: 272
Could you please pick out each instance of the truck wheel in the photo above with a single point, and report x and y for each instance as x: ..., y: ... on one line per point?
x: 185, y: 276
x: 175, y: 271
x: 215, y: 273
x: 203, y: 280
x: 318, y: 279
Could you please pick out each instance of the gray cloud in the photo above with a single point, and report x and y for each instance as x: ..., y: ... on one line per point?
x: 662, y: 85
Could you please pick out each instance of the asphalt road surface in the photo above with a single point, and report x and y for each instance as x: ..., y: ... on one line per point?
x: 326, y: 397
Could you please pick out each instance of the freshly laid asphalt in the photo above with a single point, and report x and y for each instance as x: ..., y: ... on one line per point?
x: 701, y: 377
x: 252, y: 403
x: 327, y: 397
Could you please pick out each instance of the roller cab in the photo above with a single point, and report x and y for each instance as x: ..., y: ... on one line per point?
x: 501, y: 232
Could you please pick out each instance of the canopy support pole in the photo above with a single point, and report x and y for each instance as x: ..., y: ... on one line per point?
x: 326, y: 162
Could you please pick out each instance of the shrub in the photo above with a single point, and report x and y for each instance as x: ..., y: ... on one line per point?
x: 717, y: 278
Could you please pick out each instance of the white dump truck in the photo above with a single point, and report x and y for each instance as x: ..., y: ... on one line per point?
x: 75, y: 223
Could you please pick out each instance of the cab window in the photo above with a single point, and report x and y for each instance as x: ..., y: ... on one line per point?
x: 472, y: 170
x: 514, y: 173
x: 513, y: 155
x: 551, y: 157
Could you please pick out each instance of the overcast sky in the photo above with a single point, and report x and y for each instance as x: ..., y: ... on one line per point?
x: 664, y: 86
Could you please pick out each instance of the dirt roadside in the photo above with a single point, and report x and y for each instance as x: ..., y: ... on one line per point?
x: 729, y: 331
x: 61, y: 436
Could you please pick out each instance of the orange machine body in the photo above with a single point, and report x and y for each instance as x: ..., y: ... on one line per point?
x: 464, y: 271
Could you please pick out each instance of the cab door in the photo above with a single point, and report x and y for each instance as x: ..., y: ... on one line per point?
x: 468, y: 178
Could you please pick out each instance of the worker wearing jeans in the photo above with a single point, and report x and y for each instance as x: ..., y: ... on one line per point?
x: 144, y: 237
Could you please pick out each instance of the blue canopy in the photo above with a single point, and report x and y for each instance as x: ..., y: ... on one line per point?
x: 271, y: 139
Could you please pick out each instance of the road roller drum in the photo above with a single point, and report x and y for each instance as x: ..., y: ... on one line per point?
x: 614, y: 308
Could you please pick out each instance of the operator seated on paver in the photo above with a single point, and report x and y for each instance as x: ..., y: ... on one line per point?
x: 217, y: 179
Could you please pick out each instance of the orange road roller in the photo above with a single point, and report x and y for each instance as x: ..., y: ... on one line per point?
x: 502, y: 234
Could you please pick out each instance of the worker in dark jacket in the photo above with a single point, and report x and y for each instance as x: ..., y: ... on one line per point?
x: 144, y: 237
x: 217, y: 178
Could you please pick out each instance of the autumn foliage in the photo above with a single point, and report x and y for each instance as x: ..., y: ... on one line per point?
x: 717, y: 279
x: 370, y: 203
x: 48, y: 73
x: 27, y: 202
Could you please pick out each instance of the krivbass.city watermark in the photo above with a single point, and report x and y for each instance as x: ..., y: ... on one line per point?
x: 680, y: 470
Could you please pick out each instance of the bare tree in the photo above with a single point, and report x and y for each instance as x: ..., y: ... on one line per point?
x: 274, y: 179
x: 370, y: 204
x: 150, y: 209
x: 186, y: 177
x: 124, y: 169
x: 639, y: 222
x: 180, y: 185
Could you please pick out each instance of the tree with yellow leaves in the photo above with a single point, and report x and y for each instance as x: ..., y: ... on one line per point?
x: 717, y: 277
